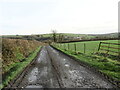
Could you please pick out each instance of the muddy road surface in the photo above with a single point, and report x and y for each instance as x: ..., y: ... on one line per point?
x: 53, y: 69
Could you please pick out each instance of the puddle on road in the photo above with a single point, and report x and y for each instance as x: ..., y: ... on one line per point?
x: 44, y: 72
x: 67, y: 65
x: 64, y: 59
x: 33, y: 75
x: 32, y: 87
x: 54, y: 51
x: 39, y: 60
x: 42, y: 57
x: 74, y: 74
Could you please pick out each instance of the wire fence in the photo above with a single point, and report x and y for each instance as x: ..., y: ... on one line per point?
x: 109, y: 48
x: 90, y: 48
x: 78, y: 47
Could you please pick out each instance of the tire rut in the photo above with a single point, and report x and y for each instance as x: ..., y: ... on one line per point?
x: 40, y: 74
x: 58, y: 74
x: 73, y: 75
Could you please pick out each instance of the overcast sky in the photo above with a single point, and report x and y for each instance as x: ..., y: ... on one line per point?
x: 65, y: 16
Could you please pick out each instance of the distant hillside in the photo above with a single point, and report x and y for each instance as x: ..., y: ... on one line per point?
x: 63, y: 36
x: 109, y: 35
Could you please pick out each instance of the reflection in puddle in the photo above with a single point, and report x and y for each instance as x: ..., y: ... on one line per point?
x: 34, y: 86
x: 44, y: 71
x: 64, y: 59
x: 39, y: 60
x: 66, y: 65
x: 33, y: 75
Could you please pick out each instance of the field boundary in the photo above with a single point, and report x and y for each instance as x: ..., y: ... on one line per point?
x: 104, y: 76
x: 89, y: 40
x: 107, y: 46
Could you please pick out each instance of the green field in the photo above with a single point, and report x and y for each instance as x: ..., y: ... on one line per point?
x: 87, y: 47
x: 104, y: 64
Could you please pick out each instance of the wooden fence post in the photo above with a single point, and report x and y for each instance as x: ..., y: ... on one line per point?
x: 68, y: 46
x: 99, y: 46
x: 108, y: 48
x: 75, y: 47
x: 64, y: 46
x: 84, y: 47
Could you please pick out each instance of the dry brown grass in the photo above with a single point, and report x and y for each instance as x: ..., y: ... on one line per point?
x: 16, y: 50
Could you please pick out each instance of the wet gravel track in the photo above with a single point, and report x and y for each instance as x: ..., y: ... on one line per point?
x: 53, y: 69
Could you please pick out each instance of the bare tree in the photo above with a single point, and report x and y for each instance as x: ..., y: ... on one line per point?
x: 54, y: 33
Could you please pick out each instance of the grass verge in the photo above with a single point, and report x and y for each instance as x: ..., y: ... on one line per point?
x: 105, y: 65
x: 17, y: 68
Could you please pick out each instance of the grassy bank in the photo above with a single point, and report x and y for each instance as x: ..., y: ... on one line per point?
x: 18, y: 67
x: 16, y: 50
x: 17, y: 54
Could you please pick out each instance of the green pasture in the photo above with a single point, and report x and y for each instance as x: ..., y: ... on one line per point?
x: 88, y: 47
